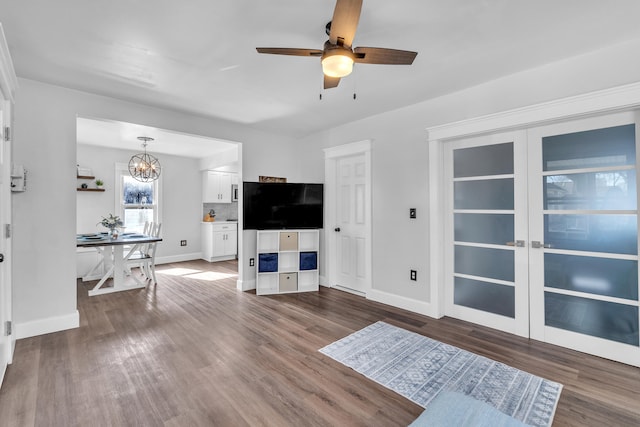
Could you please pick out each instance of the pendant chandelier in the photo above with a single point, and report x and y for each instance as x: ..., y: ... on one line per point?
x: 144, y: 167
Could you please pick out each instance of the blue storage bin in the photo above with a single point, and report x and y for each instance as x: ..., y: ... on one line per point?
x: 308, y: 260
x: 267, y: 263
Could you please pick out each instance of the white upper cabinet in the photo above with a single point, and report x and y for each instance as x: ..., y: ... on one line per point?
x: 216, y: 187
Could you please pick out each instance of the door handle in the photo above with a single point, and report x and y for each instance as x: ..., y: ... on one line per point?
x: 337, y: 229
x: 518, y: 243
x: 536, y: 244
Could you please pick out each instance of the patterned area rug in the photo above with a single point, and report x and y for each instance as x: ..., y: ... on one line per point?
x: 418, y: 368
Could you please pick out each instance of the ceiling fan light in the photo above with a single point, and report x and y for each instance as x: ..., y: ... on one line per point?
x: 338, y: 65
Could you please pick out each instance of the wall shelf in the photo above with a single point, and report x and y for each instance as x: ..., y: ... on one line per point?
x: 90, y: 189
x: 89, y: 177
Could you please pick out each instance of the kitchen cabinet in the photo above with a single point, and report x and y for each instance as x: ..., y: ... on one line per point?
x: 216, y: 187
x: 219, y: 241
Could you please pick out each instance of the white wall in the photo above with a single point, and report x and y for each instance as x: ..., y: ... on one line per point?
x: 181, y: 199
x: 44, y: 216
x: 400, y: 154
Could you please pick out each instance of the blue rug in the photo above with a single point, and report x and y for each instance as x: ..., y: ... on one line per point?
x: 418, y: 368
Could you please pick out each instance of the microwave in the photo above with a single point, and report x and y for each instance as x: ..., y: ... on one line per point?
x: 234, y: 192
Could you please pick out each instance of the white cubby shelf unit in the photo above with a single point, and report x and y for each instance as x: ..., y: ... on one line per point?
x: 287, y: 261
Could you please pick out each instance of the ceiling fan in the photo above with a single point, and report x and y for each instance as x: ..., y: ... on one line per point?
x: 338, y: 56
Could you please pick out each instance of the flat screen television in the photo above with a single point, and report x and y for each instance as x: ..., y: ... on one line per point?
x: 278, y: 206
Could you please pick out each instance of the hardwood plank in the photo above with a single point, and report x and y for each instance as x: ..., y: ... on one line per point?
x: 192, y: 350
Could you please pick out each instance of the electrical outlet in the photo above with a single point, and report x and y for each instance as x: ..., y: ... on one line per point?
x: 252, y: 262
x: 183, y: 243
x: 412, y: 213
x: 414, y: 275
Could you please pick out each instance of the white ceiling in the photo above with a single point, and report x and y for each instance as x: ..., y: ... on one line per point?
x: 199, y: 56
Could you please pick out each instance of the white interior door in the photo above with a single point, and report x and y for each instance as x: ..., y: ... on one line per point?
x: 486, y: 260
x: 352, y: 221
x: 584, y: 231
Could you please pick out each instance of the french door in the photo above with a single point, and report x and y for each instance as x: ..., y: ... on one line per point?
x: 486, y: 263
x: 584, y: 270
x: 544, y: 234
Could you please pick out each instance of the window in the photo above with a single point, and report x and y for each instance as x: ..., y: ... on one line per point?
x: 137, y: 202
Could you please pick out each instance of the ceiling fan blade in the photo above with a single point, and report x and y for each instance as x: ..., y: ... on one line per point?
x: 379, y: 55
x: 330, y: 82
x: 345, y: 22
x: 289, y: 51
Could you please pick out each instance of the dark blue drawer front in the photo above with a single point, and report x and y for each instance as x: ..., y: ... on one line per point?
x: 308, y: 260
x: 267, y: 263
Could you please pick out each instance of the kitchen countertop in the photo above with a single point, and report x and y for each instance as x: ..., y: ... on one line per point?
x: 220, y: 222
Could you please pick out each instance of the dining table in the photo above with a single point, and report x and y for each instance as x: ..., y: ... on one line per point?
x: 114, y: 259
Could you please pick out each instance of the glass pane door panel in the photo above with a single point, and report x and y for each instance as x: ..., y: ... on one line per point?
x: 483, y: 160
x: 495, y: 194
x: 601, y: 276
x: 484, y: 203
x: 614, y: 146
x: 591, y: 191
x: 602, y: 319
x: 485, y: 296
x: 484, y: 262
x: 593, y: 233
x: 483, y: 228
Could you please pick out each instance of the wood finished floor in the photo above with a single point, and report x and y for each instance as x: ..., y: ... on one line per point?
x: 193, y: 351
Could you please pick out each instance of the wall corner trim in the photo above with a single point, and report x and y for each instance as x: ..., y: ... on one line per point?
x: 8, y: 79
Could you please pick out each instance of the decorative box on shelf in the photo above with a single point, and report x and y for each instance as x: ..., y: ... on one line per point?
x: 84, y: 172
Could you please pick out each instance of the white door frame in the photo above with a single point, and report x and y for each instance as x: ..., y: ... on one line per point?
x: 8, y: 85
x: 620, y: 98
x: 331, y: 156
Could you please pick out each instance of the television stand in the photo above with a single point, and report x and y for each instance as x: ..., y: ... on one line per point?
x: 287, y: 261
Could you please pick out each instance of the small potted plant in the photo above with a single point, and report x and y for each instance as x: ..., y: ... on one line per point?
x: 99, y: 183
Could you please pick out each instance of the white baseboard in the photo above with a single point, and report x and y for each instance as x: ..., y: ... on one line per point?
x: 178, y: 258
x: 47, y: 325
x: 405, y: 303
x: 323, y: 281
x: 246, y: 285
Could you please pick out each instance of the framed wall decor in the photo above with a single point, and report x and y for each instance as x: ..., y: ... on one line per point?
x: 271, y: 179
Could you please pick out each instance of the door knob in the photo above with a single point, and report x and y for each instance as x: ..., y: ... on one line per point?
x: 518, y: 243
x: 337, y: 229
x: 1, y: 257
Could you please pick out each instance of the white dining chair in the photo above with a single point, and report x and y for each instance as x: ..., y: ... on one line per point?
x: 145, y: 256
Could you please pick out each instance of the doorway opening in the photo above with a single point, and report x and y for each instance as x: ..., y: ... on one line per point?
x: 104, y: 148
